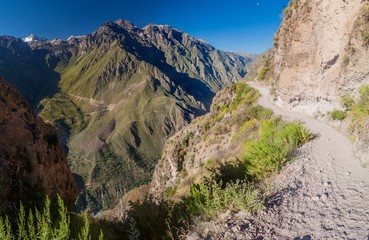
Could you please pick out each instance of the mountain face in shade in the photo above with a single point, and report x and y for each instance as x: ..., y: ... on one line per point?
x: 117, y: 94
x: 32, y: 159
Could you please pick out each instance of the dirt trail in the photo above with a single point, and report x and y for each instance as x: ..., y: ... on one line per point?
x: 324, y: 194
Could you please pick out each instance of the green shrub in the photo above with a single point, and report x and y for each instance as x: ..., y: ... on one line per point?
x: 273, y: 149
x: 186, y: 140
x: 338, y: 115
x: 170, y: 192
x: 263, y: 72
x: 347, y: 102
x: 259, y: 113
x: 212, y: 198
x: 360, y: 111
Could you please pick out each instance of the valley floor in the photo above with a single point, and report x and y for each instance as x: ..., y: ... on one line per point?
x: 323, y: 194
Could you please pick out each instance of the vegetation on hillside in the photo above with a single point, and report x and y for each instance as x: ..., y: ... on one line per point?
x: 266, y: 68
x: 360, y: 110
x: 338, y: 115
x: 356, y: 109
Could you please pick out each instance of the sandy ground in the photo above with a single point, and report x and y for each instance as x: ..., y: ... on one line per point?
x: 323, y: 194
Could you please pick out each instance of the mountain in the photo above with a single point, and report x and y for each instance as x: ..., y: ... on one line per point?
x: 117, y: 94
x: 32, y: 159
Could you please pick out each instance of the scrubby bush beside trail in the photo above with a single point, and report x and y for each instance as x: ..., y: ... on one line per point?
x: 338, y: 115
x: 274, y: 147
x: 211, y: 199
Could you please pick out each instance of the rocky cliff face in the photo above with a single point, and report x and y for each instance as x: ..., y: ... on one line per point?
x: 32, y: 160
x: 319, y: 53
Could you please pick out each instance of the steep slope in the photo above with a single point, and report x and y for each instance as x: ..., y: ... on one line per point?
x: 123, y: 91
x: 32, y: 159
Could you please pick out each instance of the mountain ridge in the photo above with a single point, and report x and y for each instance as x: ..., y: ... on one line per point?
x: 110, y: 86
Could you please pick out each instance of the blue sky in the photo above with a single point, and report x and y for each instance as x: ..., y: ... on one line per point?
x: 231, y: 25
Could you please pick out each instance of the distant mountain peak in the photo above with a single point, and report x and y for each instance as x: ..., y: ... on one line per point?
x: 72, y: 37
x: 125, y: 24
x: 31, y: 38
x: 161, y: 27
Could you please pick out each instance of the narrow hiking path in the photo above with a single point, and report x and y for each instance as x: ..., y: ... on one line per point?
x: 324, y: 194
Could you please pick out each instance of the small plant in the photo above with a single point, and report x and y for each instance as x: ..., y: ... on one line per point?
x: 347, y: 102
x: 338, y: 115
x: 360, y: 110
x: 170, y: 192
x: 365, y: 11
x: 265, y: 69
x: 275, y: 41
x: 212, y: 198
x: 186, y: 140
x: 263, y: 72
x: 366, y: 39
x: 346, y: 60
x: 291, y: 6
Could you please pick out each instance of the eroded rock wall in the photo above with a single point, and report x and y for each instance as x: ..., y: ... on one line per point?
x: 313, y: 63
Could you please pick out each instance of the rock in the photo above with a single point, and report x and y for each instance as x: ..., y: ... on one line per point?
x: 324, y: 197
x: 235, y: 228
x: 193, y: 236
x: 316, y: 198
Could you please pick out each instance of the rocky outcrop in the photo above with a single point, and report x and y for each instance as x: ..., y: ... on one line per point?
x: 32, y: 160
x: 319, y: 53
